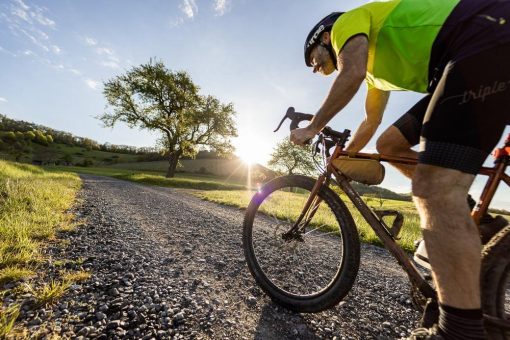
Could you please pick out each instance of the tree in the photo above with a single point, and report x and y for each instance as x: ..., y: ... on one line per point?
x: 67, y: 159
x: 154, y: 98
x: 16, y: 143
x: 291, y: 159
x: 40, y: 138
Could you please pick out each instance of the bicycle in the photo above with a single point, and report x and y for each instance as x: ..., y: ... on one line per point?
x: 308, y: 262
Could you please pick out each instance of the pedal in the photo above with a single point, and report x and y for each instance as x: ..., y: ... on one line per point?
x: 396, y: 226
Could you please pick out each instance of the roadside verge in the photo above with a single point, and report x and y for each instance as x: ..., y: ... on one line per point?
x: 34, y: 206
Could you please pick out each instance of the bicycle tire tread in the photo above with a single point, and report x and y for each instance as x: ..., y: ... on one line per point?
x: 495, y: 264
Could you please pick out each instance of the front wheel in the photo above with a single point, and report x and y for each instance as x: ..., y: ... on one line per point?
x: 495, y: 284
x: 309, y: 270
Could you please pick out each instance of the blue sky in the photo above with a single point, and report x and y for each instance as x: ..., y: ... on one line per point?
x: 55, y: 56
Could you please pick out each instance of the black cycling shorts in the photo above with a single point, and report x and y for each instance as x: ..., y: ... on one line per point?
x: 459, y: 125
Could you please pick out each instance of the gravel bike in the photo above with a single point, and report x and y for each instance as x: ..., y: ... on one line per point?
x: 302, y: 245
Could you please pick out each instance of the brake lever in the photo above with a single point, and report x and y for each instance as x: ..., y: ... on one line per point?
x: 290, y: 110
x: 326, y: 143
x: 295, y: 117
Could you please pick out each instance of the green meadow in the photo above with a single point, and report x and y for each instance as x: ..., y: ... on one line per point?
x: 181, y: 180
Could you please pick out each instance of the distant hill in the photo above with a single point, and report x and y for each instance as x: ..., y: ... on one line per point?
x: 18, y: 142
x: 21, y: 141
x: 381, y: 192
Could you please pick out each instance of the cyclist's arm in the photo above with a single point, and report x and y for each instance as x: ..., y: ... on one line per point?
x: 375, y: 104
x: 352, y: 63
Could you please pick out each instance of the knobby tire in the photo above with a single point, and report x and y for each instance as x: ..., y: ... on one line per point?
x: 341, y: 282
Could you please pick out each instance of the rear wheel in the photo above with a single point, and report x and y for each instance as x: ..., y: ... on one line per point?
x: 496, y: 283
x: 309, y: 270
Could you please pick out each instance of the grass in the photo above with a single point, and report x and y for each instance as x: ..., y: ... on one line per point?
x: 235, y: 169
x: 287, y: 205
x: 9, y: 274
x: 56, y: 151
x: 8, y: 317
x: 33, y: 205
x: 187, y: 181
x: 77, y: 277
x: 49, y: 292
x: 63, y: 262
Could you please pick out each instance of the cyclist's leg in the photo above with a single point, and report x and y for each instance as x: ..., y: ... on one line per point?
x: 463, y: 123
x: 399, y: 138
x: 453, y: 244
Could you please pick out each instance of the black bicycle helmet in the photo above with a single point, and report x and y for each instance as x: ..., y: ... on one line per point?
x: 313, y: 37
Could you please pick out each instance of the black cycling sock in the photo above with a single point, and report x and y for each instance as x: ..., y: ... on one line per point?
x: 461, y: 324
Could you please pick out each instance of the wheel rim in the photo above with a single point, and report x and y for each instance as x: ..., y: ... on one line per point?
x: 307, y: 264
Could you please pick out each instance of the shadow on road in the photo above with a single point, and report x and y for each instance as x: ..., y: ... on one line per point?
x: 277, y: 324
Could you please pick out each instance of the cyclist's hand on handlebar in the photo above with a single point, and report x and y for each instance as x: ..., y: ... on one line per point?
x: 302, y: 136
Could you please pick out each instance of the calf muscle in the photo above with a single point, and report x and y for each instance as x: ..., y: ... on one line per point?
x: 451, y: 236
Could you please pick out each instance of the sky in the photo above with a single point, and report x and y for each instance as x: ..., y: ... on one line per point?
x: 56, y: 55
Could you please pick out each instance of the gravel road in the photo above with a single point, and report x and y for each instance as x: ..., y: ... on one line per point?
x: 167, y: 265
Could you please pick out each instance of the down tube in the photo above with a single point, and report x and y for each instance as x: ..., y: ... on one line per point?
x: 386, y: 238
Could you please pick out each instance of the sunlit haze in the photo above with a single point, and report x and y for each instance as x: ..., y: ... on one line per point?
x: 56, y: 55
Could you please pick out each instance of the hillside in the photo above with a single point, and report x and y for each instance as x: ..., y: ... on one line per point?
x: 38, y: 144
x: 62, y: 154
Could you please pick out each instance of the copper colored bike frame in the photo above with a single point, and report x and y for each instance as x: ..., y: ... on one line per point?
x: 496, y: 175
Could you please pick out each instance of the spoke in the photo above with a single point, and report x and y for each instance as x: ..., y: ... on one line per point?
x: 318, y: 228
x: 321, y: 235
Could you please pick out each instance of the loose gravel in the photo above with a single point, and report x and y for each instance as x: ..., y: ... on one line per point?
x: 167, y: 265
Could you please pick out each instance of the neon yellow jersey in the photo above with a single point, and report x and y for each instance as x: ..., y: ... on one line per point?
x: 400, y: 37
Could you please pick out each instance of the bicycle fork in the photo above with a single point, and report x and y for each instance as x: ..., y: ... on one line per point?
x: 311, y: 206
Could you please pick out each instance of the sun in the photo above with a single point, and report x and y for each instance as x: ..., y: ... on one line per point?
x: 247, y: 155
x: 247, y: 159
x: 249, y: 151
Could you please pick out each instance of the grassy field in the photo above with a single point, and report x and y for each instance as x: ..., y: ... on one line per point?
x: 156, y: 166
x: 234, y: 169
x: 34, y: 205
x: 289, y: 205
x: 182, y: 180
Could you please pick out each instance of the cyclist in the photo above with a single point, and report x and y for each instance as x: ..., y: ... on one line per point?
x: 457, y: 52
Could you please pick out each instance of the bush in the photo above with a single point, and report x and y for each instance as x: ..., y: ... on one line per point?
x: 203, y: 170
x: 30, y: 135
x: 86, y: 163
x: 67, y: 159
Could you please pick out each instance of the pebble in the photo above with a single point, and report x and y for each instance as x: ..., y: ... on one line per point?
x: 100, y: 316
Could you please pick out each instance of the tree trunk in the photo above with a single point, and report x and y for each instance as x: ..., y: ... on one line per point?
x: 173, y: 160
